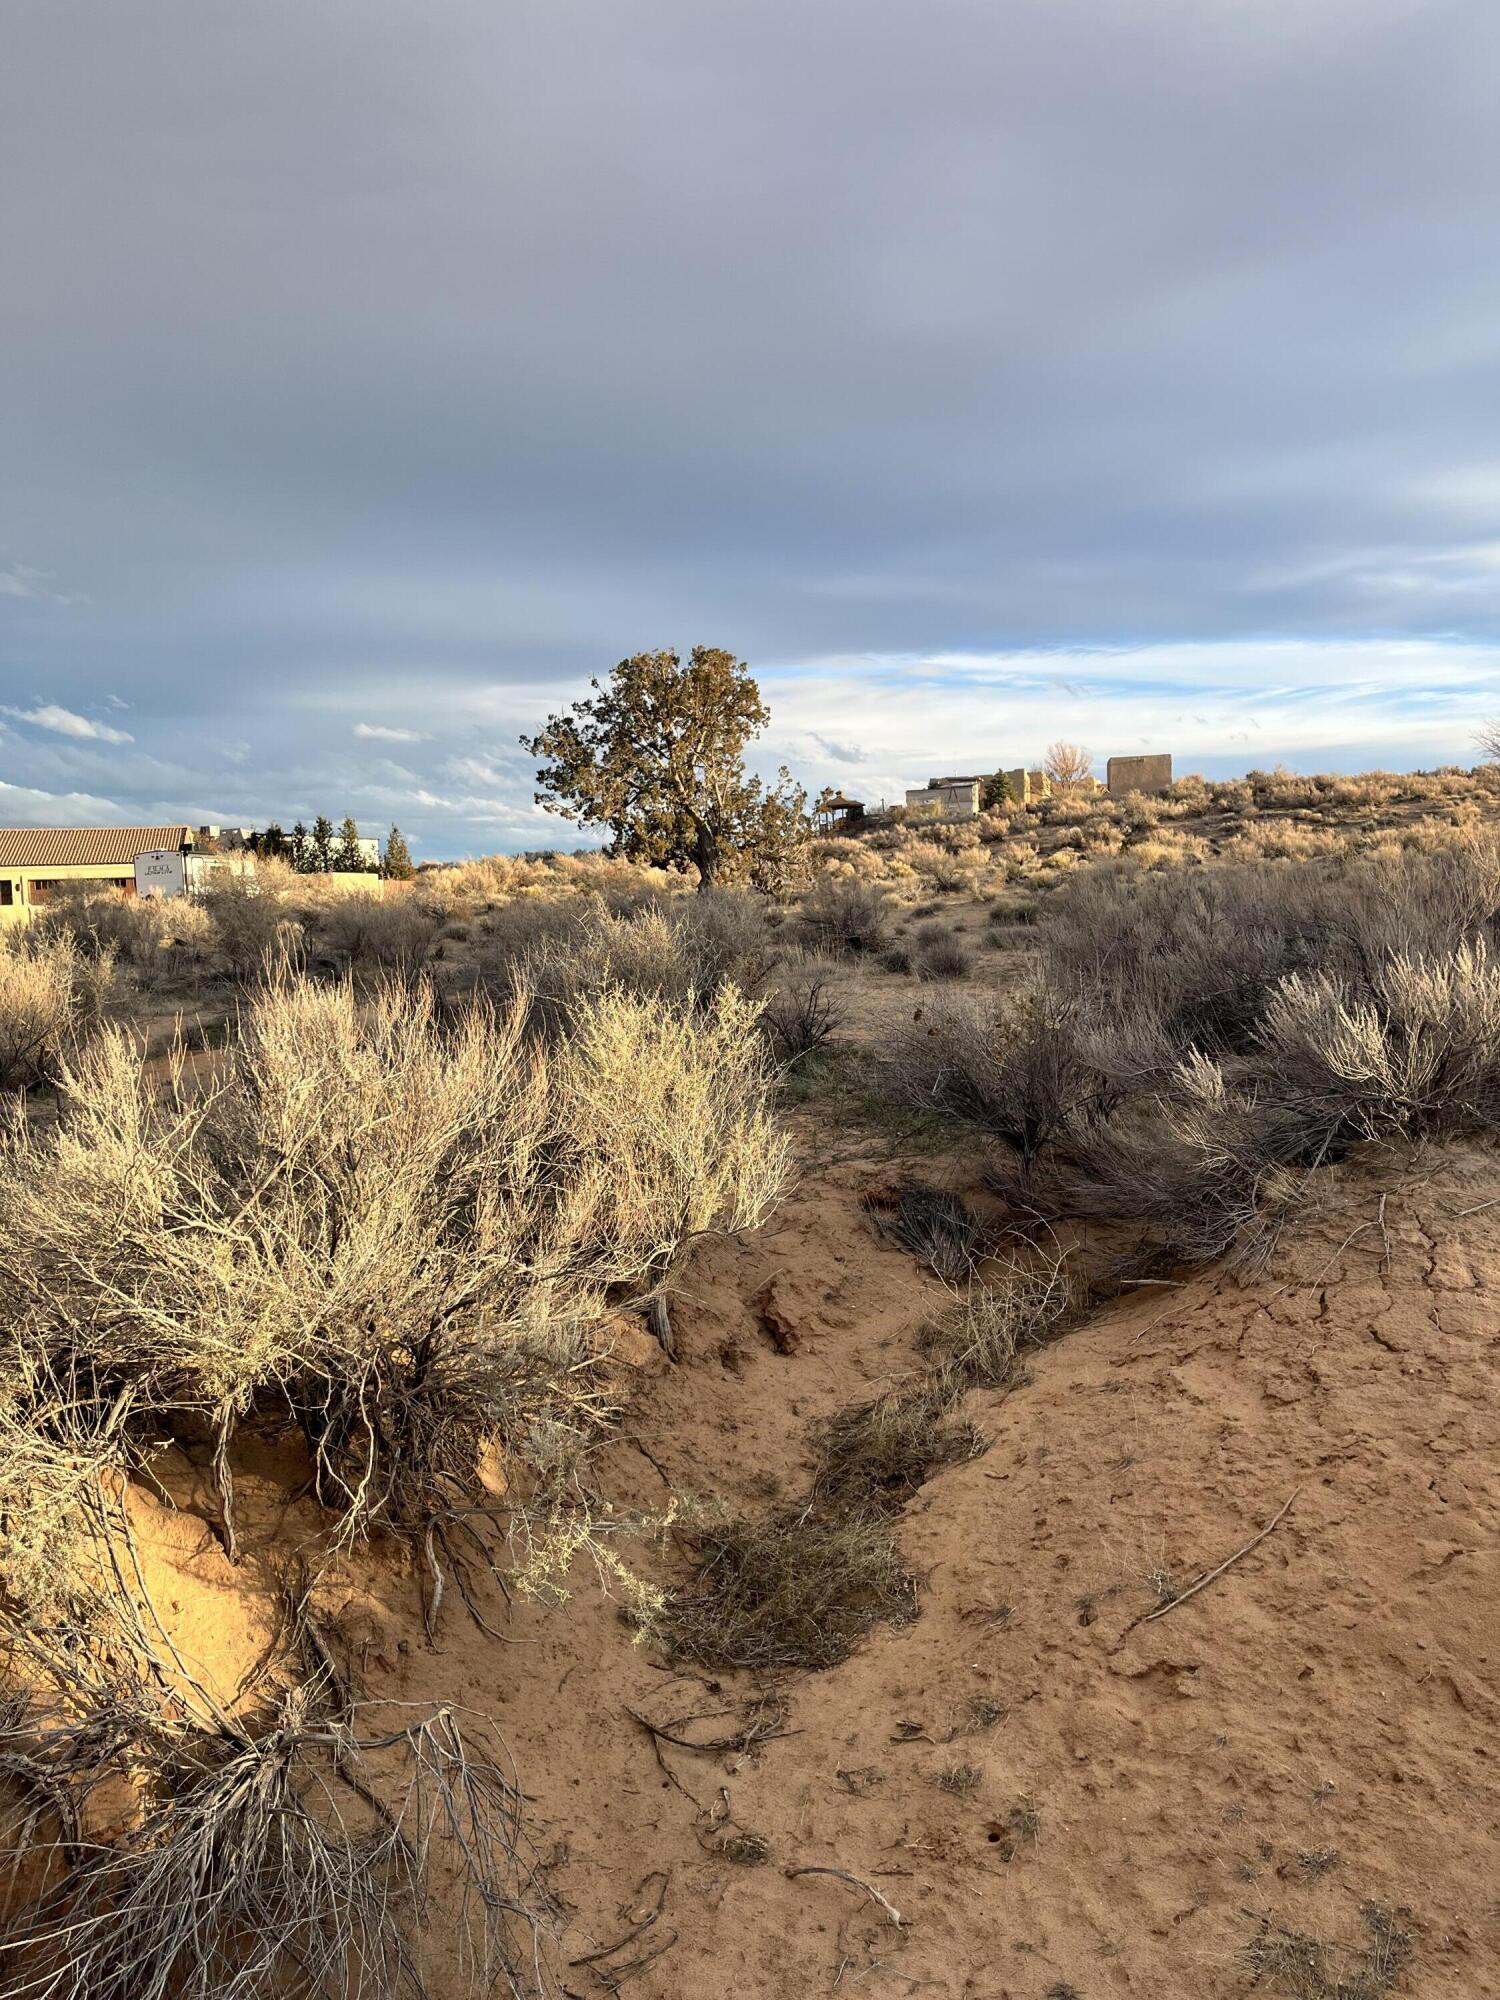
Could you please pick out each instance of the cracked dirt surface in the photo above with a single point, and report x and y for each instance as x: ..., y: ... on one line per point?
x: 1316, y: 1730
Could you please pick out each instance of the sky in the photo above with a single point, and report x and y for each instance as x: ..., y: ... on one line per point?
x: 374, y: 372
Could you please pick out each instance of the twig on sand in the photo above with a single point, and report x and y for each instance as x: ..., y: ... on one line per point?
x: 854, y: 1880
x: 651, y: 1912
x: 1207, y: 1578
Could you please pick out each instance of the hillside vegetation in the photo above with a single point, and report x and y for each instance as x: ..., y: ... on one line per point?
x: 929, y: 1431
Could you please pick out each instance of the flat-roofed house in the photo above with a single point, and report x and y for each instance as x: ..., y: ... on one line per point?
x: 38, y: 862
x: 946, y: 795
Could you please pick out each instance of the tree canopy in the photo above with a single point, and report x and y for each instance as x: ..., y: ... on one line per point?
x: 1067, y: 763
x: 656, y: 756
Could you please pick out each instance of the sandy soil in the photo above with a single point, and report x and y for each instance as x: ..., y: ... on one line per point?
x: 1313, y: 1732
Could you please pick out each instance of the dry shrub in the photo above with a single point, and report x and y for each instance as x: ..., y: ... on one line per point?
x: 801, y: 1015
x: 52, y: 995
x: 252, y: 927
x: 262, y: 1860
x: 1416, y: 1053
x: 404, y: 1235
x: 1193, y: 1046
x: 844, y: 919
x: 376, y: 937
x: 941, y: 957
x: 463, y: 888
x: 1203, y: 1167
x: 683, y: 953
x: 1018, y: 1068
x: 790, y: 1589
x: 59, y: 1436
x: 157, y: 937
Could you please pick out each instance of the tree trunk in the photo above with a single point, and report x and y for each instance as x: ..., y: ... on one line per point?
x: 705, y: 854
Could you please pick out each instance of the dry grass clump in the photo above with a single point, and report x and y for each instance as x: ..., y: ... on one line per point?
x: 935, y: 1224
x: 402, y: 1234
x: 789, y: 1589
x: 873, y: 1456
x: 52, y: 995
x: 799, y: 1586
x: 980, y: 1341
x: 1306, y: 1968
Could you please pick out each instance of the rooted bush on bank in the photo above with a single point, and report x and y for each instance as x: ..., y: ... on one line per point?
x: 403, y: 1234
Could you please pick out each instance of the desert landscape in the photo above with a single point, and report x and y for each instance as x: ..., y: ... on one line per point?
x: 749, y: 1000
x: 932, y: 1432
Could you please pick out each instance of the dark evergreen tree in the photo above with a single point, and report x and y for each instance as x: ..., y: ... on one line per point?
x: 397, y: 866
x: 657, y: 758
x: 347, y: 858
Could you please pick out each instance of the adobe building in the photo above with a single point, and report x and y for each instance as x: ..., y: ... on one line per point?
x: 1151, y: 773
x: 958, y: 796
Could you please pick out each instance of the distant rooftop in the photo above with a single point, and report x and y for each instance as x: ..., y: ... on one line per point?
x: 84, y: 846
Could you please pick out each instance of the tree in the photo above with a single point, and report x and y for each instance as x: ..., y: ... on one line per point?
x: 272, y: 843
x: 996, y: 791
x: 397, y: 866
x: 1067, y: 763
x: 320, y: 846
x: 297, y: 849
x: 657, y: 757
x: 347, y: 857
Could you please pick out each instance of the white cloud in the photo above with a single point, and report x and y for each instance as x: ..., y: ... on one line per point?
x: 24, y: 805
x: 1217, y: 706
x: 377, y: 732
x: 18, y: 579
x: 65, y: 723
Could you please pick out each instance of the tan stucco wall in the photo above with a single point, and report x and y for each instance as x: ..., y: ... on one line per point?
x: 21, y: 879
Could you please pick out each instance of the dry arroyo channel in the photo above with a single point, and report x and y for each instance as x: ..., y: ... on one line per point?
x: 1119, y: 1740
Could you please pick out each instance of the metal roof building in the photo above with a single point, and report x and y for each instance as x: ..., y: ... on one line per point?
x: 36, y: 861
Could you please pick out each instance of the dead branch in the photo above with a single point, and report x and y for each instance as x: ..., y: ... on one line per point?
x: 1207, y: 1578
x: 843, y: 1875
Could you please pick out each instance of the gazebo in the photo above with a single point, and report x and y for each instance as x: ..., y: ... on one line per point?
x: 835, y: 814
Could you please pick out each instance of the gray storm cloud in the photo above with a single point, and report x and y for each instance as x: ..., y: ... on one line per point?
x: 389, y: 369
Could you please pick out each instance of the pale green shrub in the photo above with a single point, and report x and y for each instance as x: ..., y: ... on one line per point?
x: 404, y: 1236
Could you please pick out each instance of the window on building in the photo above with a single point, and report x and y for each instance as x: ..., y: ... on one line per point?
x: 7, y: 895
